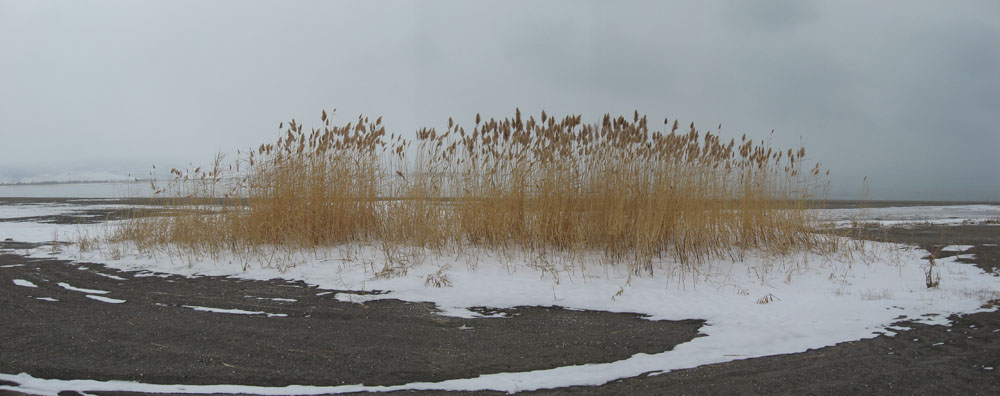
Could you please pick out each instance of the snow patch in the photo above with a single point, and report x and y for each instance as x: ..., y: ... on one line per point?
x: 67, y: 286
x: 232, y: 311
x: 106, y: 299
x: 22, y: 282
x: 110, y: 276
x: 356, y: 298
x: 274, y: 299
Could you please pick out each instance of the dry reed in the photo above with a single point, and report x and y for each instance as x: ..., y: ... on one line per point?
x: 617, y: 187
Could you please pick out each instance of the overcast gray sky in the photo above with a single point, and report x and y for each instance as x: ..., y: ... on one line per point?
x: 904, y: 92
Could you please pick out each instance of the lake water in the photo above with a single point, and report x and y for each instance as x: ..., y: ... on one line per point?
x: 77, y: 190
x: 891, y: 213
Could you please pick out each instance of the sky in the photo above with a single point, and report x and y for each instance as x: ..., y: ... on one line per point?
x: 905, y: 93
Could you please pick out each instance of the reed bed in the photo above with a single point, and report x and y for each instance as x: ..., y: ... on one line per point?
x: 617, y: 187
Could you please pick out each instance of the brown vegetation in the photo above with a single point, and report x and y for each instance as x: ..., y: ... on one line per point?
x: 616, y: 187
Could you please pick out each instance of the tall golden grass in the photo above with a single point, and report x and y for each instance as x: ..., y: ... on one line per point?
x: 617, y: 187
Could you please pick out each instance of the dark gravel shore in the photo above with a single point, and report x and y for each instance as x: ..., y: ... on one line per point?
x: 154, y: 338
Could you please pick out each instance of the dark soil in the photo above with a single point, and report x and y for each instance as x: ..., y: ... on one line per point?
x: 154, y: 338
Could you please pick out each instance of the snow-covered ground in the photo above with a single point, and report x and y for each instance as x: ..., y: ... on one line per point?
x: 764, y: 305
x: 13, y: 225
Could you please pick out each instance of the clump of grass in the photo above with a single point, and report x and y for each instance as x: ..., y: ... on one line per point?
x: 438, y: 279
x: 871, y: 294
x: 618, y: 187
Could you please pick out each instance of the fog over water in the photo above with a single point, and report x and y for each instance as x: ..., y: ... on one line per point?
x: 904, y: 92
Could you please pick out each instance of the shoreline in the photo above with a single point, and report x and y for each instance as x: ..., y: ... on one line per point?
x: 392, y: 342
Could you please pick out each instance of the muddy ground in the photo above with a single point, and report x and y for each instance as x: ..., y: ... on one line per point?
x: 154, y: 338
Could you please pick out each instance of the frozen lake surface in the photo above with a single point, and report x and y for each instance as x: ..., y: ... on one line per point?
x: 914, y: 214
x: 77, y: 190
